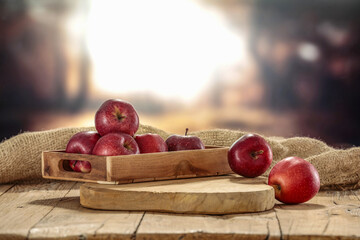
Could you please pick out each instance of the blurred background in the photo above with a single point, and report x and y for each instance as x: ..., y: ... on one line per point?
x: 284, y: 68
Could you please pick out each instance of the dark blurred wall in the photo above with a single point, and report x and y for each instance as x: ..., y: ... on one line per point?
x: 309, y: 57
x: 34, y: 61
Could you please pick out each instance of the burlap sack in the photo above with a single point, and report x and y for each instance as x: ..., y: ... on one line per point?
x: 20, y: 156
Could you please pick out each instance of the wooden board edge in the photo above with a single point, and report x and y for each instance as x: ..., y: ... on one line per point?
x: 91, y: 193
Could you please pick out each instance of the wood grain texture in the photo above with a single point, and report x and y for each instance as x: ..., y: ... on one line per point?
x: 330, y: 215
x: 4, y: 188
x: 209, y: 195
x: 140, y: 167
x: 262, y: 225
x: 52, y: 211
x: 18, y: 214
x: 357, y: 194
x: 69, y: 220
x: 180, y: 164
x: 52, y: 167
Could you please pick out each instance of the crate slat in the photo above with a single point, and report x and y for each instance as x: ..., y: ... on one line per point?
x: 211, y: 161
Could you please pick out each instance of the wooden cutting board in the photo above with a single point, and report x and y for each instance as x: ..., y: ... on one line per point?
x: 206, y: 195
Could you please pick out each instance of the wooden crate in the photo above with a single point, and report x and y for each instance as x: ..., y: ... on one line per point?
x: 211, y: 161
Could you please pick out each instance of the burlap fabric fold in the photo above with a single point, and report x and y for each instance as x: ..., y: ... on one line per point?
x: 20, y: 156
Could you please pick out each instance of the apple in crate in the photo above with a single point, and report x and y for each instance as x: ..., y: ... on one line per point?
x: 294, y: 180
x: 250, y: 156
x: 113, y: 144
x: 116, y: 115
x: 150, y: 143
x: 83, y: 143
x: 179, y: 142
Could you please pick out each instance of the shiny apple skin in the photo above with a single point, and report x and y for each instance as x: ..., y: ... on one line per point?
x: 83, y: 143
x: 113, y: 144
x: 250, y: 156
x: 80, y: 166
x: 116, y: 115
x: 180, y: 143
x: 151, y: 143
x: 294, y: 180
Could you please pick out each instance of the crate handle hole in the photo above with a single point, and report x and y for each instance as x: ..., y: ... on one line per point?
x: 85, y: 166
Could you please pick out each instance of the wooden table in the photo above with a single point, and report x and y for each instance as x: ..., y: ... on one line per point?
x: 50, y: 210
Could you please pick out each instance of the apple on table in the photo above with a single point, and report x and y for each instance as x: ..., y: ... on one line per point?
x: 294, y: 180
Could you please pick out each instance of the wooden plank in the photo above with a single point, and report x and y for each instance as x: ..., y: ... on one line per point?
x: 19, y: 210
x: 68, y: 220
x: 207, y: 162
x: 183, y: 226
x: 52, y: 210
x: 4, y: 188
x: 207, y: 195
x: 330, y: 215
x: 357, y: 193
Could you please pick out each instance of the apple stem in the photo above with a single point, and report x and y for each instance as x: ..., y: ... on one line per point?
x: 254, y: 155
x: 74, y: 163
x: 186, y: 131
x: 127, y: 146
x: 119, y: 116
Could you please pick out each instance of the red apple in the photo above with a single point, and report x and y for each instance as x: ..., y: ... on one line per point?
x: 250, y: 156
x: 80, y: 166
x: 150, y: 143
x: 113, y: 144
x: 82, y: 142
x: 116, y: 115
x: 178, y: 142
x: 294, y: 180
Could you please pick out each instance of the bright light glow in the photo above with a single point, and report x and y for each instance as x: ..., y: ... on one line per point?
x: 308, y: 51
x: 167, y: 48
